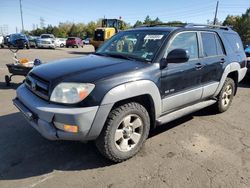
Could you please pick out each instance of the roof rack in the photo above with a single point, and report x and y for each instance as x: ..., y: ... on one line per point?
x: 187, y: 25
x: 163, y: 24
x: 190, y: 25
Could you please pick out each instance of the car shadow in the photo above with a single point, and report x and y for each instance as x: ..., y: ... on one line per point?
x: 25, y: 153
x: 245, y: 83
x: 208, y: 111
x: 13, y: 85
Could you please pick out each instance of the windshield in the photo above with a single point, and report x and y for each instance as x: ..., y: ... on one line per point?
x: 17, y: 36
x: 138, y: 45
x: 46, y: 36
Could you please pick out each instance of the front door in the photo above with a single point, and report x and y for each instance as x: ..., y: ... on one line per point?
x: 181, y: 82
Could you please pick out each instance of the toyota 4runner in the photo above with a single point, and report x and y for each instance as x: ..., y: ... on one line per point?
x: 137, y: 80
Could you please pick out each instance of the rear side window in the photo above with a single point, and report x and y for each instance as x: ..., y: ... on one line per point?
x: 209, y: 44
x: 220, y: 49
x: 234, y: 41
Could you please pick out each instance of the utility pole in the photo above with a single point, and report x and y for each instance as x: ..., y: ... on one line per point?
x: 21, y: 11
x: 216, y: 11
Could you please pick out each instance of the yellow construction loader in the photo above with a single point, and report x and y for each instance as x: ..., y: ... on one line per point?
x: 109, y: 28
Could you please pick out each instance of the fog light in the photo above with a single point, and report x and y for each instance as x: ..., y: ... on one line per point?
x: 66, y: 127
x: 70, y: 128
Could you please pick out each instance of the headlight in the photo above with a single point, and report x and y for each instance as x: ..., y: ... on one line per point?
x: 70, y: 93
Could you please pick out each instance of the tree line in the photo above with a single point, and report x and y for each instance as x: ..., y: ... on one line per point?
x: 240, y: 23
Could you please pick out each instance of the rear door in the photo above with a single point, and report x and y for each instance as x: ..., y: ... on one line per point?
x: 180, y: 82
x: 213, y: 58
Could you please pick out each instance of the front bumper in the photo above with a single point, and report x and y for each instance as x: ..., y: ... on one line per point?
x: 43, y: 116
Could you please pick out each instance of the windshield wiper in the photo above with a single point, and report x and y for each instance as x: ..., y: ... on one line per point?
x: 100, y: 54
x: 121, y: 56
x: 128, y: 57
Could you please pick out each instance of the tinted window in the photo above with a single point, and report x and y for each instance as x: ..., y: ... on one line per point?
x: 187, y: 41
x: 220, y: 50
x: 209, y: 44
x: 234, y: 41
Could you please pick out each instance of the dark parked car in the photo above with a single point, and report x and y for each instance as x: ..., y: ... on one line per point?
x: 139, y: 79
x: 18, y: 40
x: 74, y: 42
x: 86, y: 41
x: 33, y: 41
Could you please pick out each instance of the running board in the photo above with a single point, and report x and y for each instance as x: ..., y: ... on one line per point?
x: 184, y: 111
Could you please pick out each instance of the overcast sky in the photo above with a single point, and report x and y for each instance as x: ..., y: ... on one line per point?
x: 55, y: 11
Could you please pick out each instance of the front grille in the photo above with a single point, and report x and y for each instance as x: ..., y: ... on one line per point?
x: 38, y: 86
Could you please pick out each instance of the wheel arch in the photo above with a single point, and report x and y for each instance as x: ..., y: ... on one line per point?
x: 145, y: 92
x: 232, y: 70
x: 235, y: 76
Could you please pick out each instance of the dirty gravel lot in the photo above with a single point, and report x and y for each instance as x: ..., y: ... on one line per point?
x: 201, y: 150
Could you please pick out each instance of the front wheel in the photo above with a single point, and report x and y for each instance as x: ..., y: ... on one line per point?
x: 225, y: 96
x: 124, y: 133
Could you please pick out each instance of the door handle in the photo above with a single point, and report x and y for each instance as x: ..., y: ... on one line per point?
x: 222, y: 60
x: 199, y: 66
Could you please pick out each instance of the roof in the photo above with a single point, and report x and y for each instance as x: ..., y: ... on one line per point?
x: 196, y: 27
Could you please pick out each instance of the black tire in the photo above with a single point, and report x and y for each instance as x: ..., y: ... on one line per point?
x: 61, y: 45
x: 7, y: 80
x: 67, y: 46
x: 27, y: 46
x: 225, y: 96
x: 106, y: 143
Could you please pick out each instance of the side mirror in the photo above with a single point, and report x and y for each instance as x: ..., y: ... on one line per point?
x: 177, y: 56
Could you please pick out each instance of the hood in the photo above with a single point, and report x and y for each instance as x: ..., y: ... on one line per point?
x: 86, y: 69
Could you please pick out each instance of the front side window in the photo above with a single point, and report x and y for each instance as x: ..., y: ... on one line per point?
x: 138, y: 45
x: 187, y: 41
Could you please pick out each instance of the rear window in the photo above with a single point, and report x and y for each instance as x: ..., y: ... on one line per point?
x: 234, y: 42
x: 71, y: 38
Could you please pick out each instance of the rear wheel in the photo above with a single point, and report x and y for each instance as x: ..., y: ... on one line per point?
x: 124, y: 133
x: 225, y: 96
